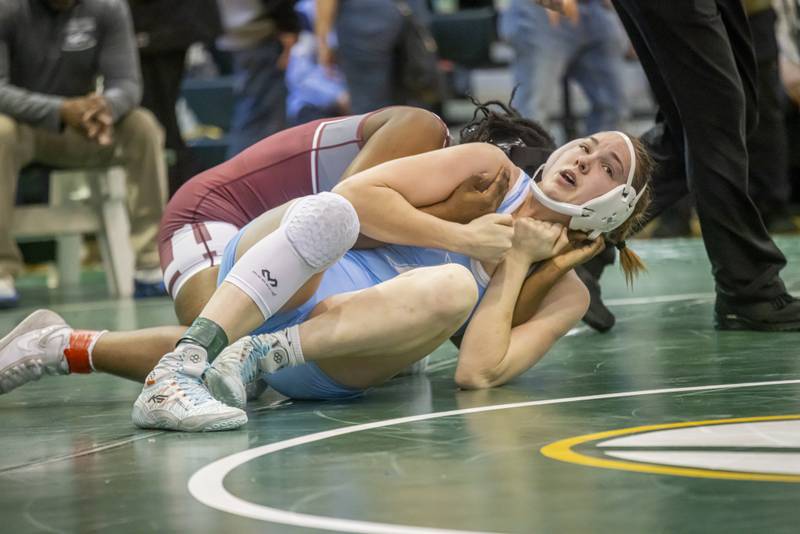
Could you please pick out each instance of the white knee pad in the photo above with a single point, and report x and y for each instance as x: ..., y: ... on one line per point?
x: 321, y: 228
x: 315, y: 232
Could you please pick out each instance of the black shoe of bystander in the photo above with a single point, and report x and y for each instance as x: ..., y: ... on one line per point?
x: 781, y: 314
x: 597, y: 316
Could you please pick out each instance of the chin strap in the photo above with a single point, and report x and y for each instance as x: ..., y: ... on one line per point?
x: 565, y: 208
x: 601, y: 214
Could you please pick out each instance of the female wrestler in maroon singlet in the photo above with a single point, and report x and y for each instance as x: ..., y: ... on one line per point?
x: 209, y: 209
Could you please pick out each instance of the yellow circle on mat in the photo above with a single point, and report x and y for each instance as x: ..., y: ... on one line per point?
x: 563, y: 451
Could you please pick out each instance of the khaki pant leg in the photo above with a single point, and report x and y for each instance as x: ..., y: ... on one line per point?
x: 70, y: 149
x: 140, y: 139
x: 16, y: 151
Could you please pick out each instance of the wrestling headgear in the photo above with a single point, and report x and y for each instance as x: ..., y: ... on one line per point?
x: 598, y: 215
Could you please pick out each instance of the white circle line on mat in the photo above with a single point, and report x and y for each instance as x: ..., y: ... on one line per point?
x: 206, y: 485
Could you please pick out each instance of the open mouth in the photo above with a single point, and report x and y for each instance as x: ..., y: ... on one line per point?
x: 568, y: 177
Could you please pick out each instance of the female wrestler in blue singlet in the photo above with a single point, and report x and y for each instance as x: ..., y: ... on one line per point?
x: 375, y: 311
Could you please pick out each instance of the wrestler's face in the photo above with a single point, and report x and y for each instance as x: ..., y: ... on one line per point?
x: 586, y: 168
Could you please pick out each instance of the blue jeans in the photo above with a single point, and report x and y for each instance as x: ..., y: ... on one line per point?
x: 368, y: 32
x: 260, y: 93
x: 589, y: 53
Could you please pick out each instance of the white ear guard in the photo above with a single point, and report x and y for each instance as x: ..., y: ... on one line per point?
x: 598, y: 215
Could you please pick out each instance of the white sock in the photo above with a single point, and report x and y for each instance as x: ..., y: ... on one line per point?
x: 90, y: 350
x: 294, y: 348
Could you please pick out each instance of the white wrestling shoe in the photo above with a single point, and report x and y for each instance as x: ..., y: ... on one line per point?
x: 236, y: 372
x: 33, y: 349
x: 174, y: 398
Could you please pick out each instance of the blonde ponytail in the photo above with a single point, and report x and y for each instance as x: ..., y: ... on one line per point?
x: 630, y: 263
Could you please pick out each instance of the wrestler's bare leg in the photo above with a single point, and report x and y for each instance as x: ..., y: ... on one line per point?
x: 362, y: 339
x: 359, y: 339
x: 133, y: 354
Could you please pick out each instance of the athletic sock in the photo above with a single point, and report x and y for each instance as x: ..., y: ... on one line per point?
x: 204, y: 339
x: 78, y: 351
x: 279, y: 350
x: 294, y: 348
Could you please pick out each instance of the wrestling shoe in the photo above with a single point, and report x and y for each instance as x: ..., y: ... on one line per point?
x: 33, y: 349
x: 174, y: 398
x: 781, y: 314
x: 240, y: 364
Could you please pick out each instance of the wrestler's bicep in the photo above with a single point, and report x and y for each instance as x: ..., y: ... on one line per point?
x: 431, y: 177
x: 398, y: 132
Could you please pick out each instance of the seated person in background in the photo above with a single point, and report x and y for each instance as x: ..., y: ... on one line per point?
x: 315, y: 92
x: 54, y: 111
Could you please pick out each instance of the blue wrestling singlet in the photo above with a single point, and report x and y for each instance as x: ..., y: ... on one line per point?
x: 360, y: 269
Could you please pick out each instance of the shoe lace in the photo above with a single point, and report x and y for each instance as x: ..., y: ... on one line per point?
x: 192, y: 388
x: 254, y: 350
x: 783, y: 300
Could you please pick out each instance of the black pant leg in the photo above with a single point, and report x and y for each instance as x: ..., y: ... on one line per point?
x: 162, y: 74
x: 669, y: 184
x: 769, y: 179
x: 734, y: 18
x: 664, y: 141
x: 694, y: 54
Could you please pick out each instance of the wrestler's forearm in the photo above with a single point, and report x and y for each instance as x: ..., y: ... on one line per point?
x: 447, y: 212
x: 534, y: 290
x: 386, y: 216
x: 387, y: 198
x: 488, y: 336
x: 442, y: 210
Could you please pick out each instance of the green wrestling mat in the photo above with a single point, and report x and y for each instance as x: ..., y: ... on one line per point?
x: 662, y: 425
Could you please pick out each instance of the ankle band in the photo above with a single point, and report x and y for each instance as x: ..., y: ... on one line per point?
x: 207, y: 334
x: 78, y: 352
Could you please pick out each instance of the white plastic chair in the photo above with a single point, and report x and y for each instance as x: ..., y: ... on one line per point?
x: 84, y: 201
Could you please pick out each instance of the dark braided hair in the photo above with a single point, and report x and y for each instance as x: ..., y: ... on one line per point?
x: 507, y: 124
